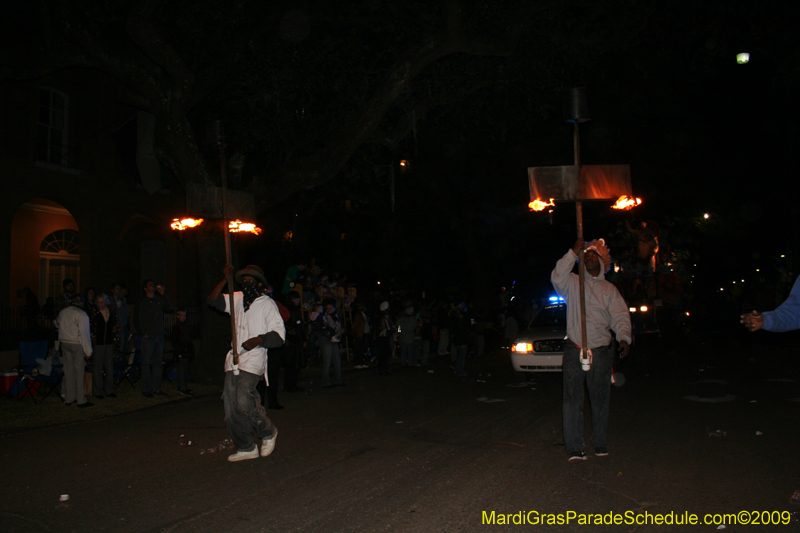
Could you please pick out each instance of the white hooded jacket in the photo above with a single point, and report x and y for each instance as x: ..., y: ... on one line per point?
x: 605, y: 308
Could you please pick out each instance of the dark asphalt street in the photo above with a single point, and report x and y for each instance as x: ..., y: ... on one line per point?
x: 419, y: 452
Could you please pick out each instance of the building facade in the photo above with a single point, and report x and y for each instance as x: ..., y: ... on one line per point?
x: 85, y: 197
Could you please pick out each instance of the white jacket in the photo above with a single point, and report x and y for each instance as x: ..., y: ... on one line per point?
x: 73, y: 328
x: 605, y: 307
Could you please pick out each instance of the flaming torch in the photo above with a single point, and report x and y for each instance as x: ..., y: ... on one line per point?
x: 220, y: 204
x: 626, y: 203
x: 539, y: 205
x: 181, y: 224
x: 579, y: 183
x: 237, y: 226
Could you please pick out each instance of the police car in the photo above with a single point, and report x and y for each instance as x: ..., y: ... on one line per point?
x: 540, y: 348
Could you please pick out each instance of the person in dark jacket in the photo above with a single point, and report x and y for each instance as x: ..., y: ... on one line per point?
x: 296, y: 342
x: 459, y: 336
x: 105, y: 336
x: 149, y: 323
x: 182, y: 350
x: 385, y: 332
x: 120, y: 306
x: 361, y: 336
x: 329, y: 340
x: 276, y: 359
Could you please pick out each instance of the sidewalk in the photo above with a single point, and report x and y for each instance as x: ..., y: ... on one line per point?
x: 24, y: 414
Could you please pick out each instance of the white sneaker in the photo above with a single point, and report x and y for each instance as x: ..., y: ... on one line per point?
x: 269, y: 444
x: 243, y: 456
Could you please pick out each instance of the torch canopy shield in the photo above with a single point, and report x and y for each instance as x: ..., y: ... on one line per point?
x: 206, y: 201
x: 574, y: 183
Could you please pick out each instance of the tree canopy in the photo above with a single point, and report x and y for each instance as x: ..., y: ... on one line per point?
x: 302, y: 89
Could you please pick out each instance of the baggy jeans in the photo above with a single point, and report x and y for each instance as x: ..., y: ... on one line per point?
x: 244, y: 414
x: 598, y: 381
x: 152, y: 363
x: 331, y: 353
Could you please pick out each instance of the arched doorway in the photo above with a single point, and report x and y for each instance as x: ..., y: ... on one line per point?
x: 44, y: 247
x: 59, y: 259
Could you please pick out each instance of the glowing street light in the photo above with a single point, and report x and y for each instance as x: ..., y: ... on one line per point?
x: 743, y: 58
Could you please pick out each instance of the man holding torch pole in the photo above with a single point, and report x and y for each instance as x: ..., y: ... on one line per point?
x: 605, y: 310
x: 258, y: 320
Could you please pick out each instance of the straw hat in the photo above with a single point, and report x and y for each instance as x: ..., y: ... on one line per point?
x: 251, y: 270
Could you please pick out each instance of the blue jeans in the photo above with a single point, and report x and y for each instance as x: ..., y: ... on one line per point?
x: 244, y: 413
x: 408, y: 354
x: 331, y: 352
x: 460, y: 358
x: 152, y: 363
x: 598, y: 381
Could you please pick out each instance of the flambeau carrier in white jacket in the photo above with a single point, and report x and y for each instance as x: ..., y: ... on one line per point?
x: 605, y: 308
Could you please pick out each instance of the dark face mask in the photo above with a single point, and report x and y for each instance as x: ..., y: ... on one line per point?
x: 250, y: 290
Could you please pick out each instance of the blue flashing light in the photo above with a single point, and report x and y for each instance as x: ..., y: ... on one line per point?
x: 557, y: 299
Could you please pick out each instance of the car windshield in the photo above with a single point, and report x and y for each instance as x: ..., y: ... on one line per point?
x: 551, y: 316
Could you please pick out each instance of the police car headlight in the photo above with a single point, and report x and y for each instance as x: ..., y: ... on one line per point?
x: 522, y: 347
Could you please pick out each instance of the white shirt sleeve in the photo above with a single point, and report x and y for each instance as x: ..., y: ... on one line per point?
x: 273, y: 320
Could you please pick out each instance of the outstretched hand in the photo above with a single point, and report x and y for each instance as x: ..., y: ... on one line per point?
x: 753, y: 320
x: 578, y: 246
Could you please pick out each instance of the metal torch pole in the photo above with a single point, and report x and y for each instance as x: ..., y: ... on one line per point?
x: 579, y: 218
x: 228, y: 259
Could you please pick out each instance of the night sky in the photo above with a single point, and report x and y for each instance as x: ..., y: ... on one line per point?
x: 701, y: 133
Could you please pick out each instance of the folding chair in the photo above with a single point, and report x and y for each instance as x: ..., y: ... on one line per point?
x: 28, y: 379
x: 51, y: 382
x: 128, y: 365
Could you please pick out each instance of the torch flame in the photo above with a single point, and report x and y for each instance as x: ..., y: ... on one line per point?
x: 539, y: 205
x: 237, y: 226
x: 625, y: 202
x: 180, y: 224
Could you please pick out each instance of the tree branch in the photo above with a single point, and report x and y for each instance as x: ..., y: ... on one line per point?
x: 317, y: 168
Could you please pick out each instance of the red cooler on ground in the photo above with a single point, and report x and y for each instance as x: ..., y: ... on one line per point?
x: 6, y: 380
